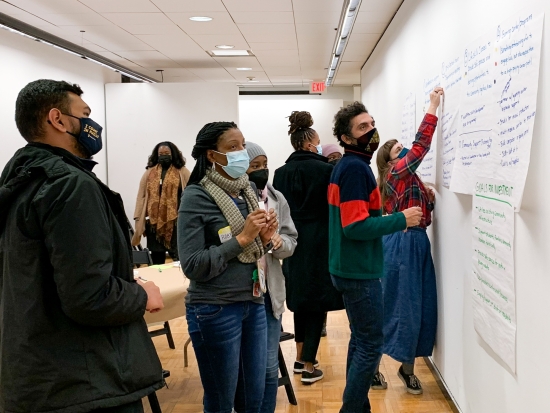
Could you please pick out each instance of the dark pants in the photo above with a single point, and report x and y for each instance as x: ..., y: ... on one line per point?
x: 364, y: 307
x: 230, y: 346
x: 307, y: 329
x: 272, y: 373
x: 135, y: 407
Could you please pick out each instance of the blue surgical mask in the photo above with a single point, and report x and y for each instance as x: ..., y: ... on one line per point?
x: 319, y: 148
x: 89, y: 136
x: 237, y: 163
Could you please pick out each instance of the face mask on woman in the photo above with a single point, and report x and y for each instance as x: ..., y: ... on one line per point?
x: 237, y: 163
x: 260, y: 178
x: 165, y: 160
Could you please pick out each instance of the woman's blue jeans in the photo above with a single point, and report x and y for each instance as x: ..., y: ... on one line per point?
x: 231, y: 346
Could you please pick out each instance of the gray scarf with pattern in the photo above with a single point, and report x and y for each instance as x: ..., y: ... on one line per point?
x: 218, y: 187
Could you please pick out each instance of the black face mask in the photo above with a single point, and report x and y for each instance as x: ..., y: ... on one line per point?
x: 260, y: 178
x: 334, y: 161
x: 165, y: 160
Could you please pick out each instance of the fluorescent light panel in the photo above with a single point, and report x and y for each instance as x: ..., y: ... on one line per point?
x: 231, y: 53
x: 200, y: 18
x: 344, y: 30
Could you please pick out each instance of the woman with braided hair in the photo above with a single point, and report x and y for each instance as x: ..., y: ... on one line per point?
x: 222, y: 236
x: 304, y: 181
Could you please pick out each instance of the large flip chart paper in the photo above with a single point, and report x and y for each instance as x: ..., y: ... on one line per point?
x: 428, y: 167
x: 408, y: 121
x: 493, y: 286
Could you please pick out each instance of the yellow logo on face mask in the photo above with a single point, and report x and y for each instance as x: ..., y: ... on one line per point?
x: 91, y: 131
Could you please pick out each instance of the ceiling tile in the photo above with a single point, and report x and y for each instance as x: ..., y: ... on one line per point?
x: 94, y: 47
x: 369, y: 27
x: 175, y: 47
x: 149, y: 59
x: 279, y: 62
x: 374, y: 17
x: 183, y: 79
x: 276, y: 17
x: 318, y: 17
x: 210, y: 41
x: 379, y: 6
x: 284, y: 71
x: 274, y: 46
x: 120, y: 6
x: 213, y: 74
x: 279, y: 54
x: 268, y: 33
x: 165, y: 29
x: 121, y: 19
x: 243, y: 76
x: 111, y: 37
x: 313, y: 6
x: 51, y: 6
x: 258, y: 5
x: 221, y: 23
x: 77, y: 19
x: 232, y: 63
x: 367, y: 39
x: 183, y: 6
x: 285, y: 79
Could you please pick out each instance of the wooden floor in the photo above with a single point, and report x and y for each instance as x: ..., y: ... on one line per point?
x: 184, y: 394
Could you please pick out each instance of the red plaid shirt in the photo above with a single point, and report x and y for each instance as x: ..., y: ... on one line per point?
x: 405, y: 188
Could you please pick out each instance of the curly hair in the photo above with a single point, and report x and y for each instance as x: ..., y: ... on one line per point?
x: 35, y: 101
x: 300, y: 130
x: 207, y: 138
x: 178, y: 160
x: 342, y: 119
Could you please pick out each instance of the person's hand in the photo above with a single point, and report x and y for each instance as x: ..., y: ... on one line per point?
x: 431, y: 194
x: 413, y: 216
x: 435, y: 100
x: 277, y: 241
x: 272, y: 225
x: 154, y: 299
x: 254, y: 223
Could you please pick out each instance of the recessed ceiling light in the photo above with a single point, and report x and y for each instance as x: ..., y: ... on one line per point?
x: 244, y: 68
x: 253, y: 81
x: 231, y: 53
x: 200, y: 18
x: 225, y: 46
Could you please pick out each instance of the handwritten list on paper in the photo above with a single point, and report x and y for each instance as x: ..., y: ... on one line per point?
x: 428, y: 168
x: 493, y: 282
x: 408, y: 121
x: 451, y: 81
x: 476, y: 119
x: 516, y: 83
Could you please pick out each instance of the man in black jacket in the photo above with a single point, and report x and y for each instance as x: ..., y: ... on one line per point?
x: 72, y: 334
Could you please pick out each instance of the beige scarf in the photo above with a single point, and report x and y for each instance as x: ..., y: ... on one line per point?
x: 218, y: 187
x: 163, y: 208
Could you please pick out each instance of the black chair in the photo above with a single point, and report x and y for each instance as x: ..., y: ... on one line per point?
x: 164, y: 330
x: 142, y: 257
x: 153, y: 399
x: 284, y: 380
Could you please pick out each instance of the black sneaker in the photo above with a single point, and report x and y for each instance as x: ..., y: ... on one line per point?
x: 311, y: 377
x: 410, y: 381
x: 379, y: 382
x: 299, y: 366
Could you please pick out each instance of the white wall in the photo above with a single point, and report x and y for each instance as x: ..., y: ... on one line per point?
x: 422, y: 35
x: 264, y: 120
x: 23, y: 60
x: 140, y: 115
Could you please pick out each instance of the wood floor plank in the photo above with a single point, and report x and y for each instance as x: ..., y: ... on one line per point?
x: 184, y: 393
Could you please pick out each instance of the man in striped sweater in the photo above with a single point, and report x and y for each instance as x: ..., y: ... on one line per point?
x: 356, y: 227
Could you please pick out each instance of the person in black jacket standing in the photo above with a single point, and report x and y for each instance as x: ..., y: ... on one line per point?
x: 304, y: 183
x: 72, y: 333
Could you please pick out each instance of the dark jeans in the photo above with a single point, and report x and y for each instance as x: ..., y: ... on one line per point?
x: 272, y: 373
x: 364, y: 307
x: 230, y: 345
x: 307, y: 329
x: 135, y: 407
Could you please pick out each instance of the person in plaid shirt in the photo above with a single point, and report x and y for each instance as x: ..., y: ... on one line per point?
x: 410, y: 295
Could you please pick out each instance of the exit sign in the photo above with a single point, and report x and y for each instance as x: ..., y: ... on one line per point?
x: 317, y: 87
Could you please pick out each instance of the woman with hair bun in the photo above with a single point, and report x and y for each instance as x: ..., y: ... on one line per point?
x: 304, y: 181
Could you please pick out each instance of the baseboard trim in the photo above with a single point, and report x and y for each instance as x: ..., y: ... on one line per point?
x: 442, y: 386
